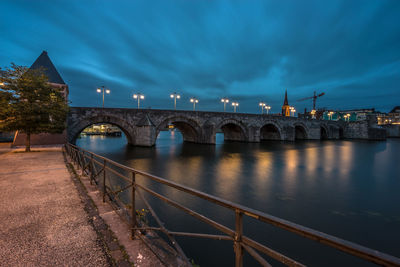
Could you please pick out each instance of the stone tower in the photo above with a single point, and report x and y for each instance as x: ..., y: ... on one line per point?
x: 286, y: 107
x: 55, y: 80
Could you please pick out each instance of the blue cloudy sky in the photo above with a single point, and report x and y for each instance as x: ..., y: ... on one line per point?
x: 249, y: 51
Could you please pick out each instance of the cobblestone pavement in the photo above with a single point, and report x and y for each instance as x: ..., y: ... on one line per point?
x: 42, y: 219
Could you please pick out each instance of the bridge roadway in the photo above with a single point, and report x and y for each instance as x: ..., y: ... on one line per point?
x: 141, y: 126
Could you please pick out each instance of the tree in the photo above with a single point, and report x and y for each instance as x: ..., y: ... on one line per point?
x: 28, y: 103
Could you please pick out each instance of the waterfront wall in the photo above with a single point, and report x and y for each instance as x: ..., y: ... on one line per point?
x: 367, y: 129
x: 40, y: 139
x: 392, y: 130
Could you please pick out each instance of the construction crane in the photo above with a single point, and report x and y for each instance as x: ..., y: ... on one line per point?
x: 314, y: 98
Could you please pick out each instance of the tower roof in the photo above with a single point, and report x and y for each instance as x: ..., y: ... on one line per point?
x: 286, y: 102
x: 43, y: 61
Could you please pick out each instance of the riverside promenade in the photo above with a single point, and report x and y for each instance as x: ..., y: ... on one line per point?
x: 43, y: 222
x: 52, y: 216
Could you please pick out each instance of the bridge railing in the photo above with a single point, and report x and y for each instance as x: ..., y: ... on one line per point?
x: 100, y: 169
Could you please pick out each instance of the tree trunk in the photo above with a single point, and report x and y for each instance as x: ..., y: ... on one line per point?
x: 28, y: 142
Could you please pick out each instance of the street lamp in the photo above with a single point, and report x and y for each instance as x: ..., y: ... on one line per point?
x: 330, y: 115
x: 262, y: 105
x: 138, y: 96
x: 313, y: 112
x: 194, y: 101
x: 347, y: 117
x: 102, y: 90
x: 235, y: 104
x: 175, y: 96
x: 225, y: 100
x: 267, y: 108
x: 292, y: 110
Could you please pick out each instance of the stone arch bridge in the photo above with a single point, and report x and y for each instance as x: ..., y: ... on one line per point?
x: 142, y: 126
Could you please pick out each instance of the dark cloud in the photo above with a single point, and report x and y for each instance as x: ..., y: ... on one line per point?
x: 249, y: 51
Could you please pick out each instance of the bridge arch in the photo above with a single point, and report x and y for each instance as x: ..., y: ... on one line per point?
x: 270, y: 131
x: 190, y: 129
x: 300, y: 131
x: 324, y: 132
x: 233, y: 130
x: 77, y: 128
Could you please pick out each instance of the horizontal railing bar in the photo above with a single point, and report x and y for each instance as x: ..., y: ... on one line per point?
x: 262, y: 248
x: 118, y: 174
x: 149, y: 228
x: 270, y: 252
x: 335, y: 242
x: 199, y: 216
x: 340, y: 244
x: 163, y: 229
x: 209, y: 236
x: 116, y: 199
x: 256, y: 256
x: 122, y: 189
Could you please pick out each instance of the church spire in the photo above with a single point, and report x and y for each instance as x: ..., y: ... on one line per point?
x: 286, y: 107
x: 286, y: 102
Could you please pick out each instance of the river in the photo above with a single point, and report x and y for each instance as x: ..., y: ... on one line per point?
x: 349, y: 189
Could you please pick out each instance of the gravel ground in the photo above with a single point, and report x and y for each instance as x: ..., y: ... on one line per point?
x: 42, y: 219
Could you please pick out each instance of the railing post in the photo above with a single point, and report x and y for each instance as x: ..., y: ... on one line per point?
x: 91, y: 169
x: 238, y: 239
x: 81, y: 158
x: 133, y: 205
x: 77, y: 159
x: 104, y: 181
x: 83, y: 163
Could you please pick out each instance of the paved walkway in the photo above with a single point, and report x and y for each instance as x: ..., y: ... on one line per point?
x: 42, y: 219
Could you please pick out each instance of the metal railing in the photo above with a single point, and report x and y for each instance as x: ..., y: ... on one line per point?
x: 87, y: 162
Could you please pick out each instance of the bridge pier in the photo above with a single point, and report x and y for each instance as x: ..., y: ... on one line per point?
x: 145, y: 135
x: 288, y: 133
x: 314, y: 132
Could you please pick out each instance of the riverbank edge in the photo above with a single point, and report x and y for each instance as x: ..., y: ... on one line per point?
x: 115, y: 253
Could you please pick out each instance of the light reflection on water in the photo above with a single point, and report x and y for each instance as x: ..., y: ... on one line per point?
x: 345, y: 188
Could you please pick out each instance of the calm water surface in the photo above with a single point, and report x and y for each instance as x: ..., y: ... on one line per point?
x: 350, y: 189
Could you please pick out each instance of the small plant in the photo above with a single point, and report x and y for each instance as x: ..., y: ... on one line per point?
x: 194, y: 264
x: 142, y: 216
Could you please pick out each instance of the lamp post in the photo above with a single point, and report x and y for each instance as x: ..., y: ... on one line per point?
x: 175, y: 96
x: 347, y: 117
x: 313, y: 112
x: 224, y: 100
x: 330, y: 115
x: 138, y: 96
x: 292, y: 110
x: 262, y: 105
x: 194, y: 101
x: 103, y: 90
x: 267, y: 108
x: 235, y: 104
